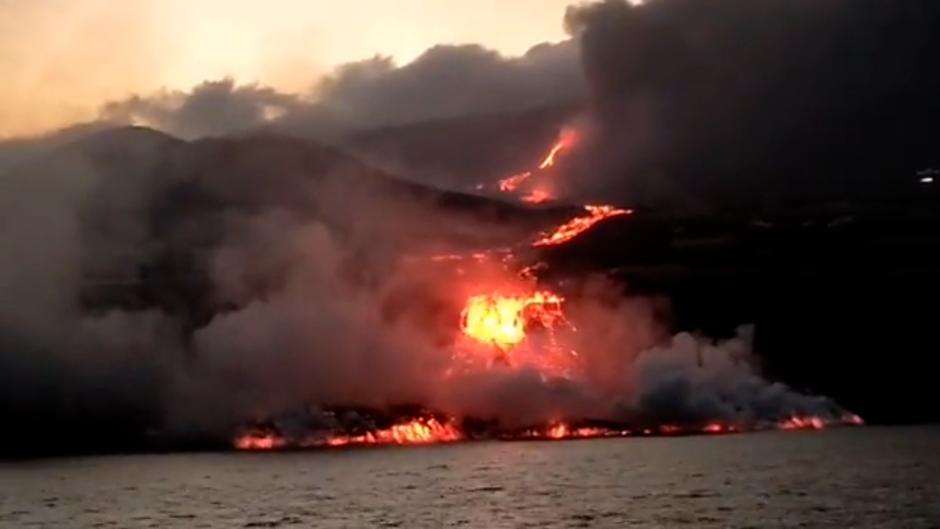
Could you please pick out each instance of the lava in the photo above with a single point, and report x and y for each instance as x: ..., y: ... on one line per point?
x: 502, y: 320
x: 414, y: 432
x: 509, y: 185
x: 514, y: 183
x: 579, y: 225
x: 428, y: 430
x: 513, y: 323
x: 566, y: 139
x: 538, y: 196
x: 562, y: 431
x: 257, y: 440
x: 418, y: 431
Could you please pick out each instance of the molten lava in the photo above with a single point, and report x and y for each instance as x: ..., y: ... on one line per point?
x: 513, y: 184
x: 561, y: 431
x: 502, y: 320
x: 414, y: 432
x: 429, y: 430
x: 566, y: 139
x: 417, y: 431
x: 538, y: 196
x: 257, y: 440
x: 509, y: 185
x: 579, y: 225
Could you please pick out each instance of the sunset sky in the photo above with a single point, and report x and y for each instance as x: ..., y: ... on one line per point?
x: 63, y: 58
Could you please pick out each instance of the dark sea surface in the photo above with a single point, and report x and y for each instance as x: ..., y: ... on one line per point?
x: 846, y: 478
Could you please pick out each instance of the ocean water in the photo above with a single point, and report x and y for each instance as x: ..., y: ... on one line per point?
x: 846, y: 478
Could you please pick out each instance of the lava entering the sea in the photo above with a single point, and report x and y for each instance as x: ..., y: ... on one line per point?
x: 512, y: 327
x: 427, y: 431
x: 502, y: 320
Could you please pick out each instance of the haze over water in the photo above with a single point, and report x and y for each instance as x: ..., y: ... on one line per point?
x: 868, y: 478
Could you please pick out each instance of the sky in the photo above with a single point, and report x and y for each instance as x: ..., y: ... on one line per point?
x: 62, y: 59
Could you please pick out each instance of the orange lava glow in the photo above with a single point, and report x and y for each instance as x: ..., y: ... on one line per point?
x: 415, y: 432
x: 563, y: 431
x: 579, y: 225
x: 514, y: 183
x: 567, y: 138
x: 508, y: 185
x: 502, y: 320
x: 719, y: 428
x: 259, y: 441
x: 802, y: 423
x: 424, y: 431
x: 538, y: 196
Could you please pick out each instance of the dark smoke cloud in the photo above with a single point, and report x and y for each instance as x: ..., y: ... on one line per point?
x: 734, y: 98
x: 446, y: 81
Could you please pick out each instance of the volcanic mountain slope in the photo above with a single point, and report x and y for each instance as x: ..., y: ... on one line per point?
x: 149, y: 207
x: 120, y: 245
x: 462, y: 152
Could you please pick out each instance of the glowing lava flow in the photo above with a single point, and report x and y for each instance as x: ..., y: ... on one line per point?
x: 579, y: 225
x: 415, y: 432
x: 502, y: 321
x: 817, y: 423
x: 423, y: 431
x: 538, y: 196
x: 259, y: 441
x: 566, y: 140
x: 508, y: 185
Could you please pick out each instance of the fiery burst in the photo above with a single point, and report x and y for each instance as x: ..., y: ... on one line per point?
x: 579, y: 225
x: 501, y: 321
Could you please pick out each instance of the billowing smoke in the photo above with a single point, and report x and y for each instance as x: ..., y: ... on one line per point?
x: 214, y: 108
x: 728, y: 100
x: 444, y: 82
x: 691, y: 103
